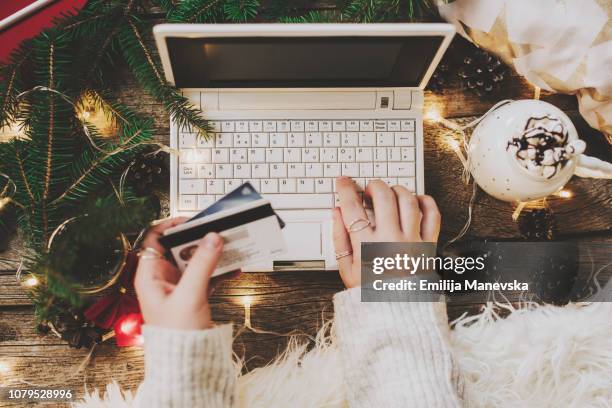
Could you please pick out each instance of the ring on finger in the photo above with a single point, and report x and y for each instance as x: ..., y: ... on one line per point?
x: 150, y: 253
x: 358, y: 224
x: 343, y: 254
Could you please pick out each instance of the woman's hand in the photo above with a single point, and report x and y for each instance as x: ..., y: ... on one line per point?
x: 169, y: 299
x: 401, y: 216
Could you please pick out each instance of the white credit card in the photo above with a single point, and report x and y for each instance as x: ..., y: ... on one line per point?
x: 251, y: 233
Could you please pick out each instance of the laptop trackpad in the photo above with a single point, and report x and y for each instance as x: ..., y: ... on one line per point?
x: 303, y: 240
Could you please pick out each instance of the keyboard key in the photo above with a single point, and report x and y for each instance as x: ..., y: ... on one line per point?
x: 196, y: 186
x: 360, y: 183
x: 384, y: 139
x: 255, y: 126
x: 297, y: 125
x: 346, y: 154
x: 311, y: 126
x: 380, y: 154
x: 366, y: 125
x: 224, y: 171
x: 187, y: 140
x: 215, y: 125
x: 202, y: 156
x: 232, y: 184
x: 259, y: 171
x: 391, y: 181
x: 364, y: 154
x: 283, y: 126
x: 380, y: 125
x: 314, y: 139
x: 329, y: 154
x: 404, y: 138
x: 299, y: 201
x: 350, y: 169
x: 278, y: 170
x: 242, y: 171
x: 408, y: 154
x: 332, y: 170
x: 296, y: 170
x: 394, y: 154
x: 206, y: 171
x: 220, y: 156
x: 287, y: 186
x: 224, y: 139
x: 401, y: 169
x: 380, y: 169
x: 227, y: 126
x: 278, y: 139
x: 257, y: 155
x: 407, y: 125
x: 205, y: 142
x: 331, y: 139
x: 295, y: 140
x: 409, y: 183
x: 338, y: 125
x: 260, y: 140
x: 292, y: 155
x: 238, y: 155
x: 269, y: 186
x: 305, y: 186
x: 274, y: 155
x: 269, y: 126
x: 205, y: 201
x: 323, y: 185
x: 254, y: 182
x: 352, y: 125
x: 393, y: 125
x: 325, y: 126
x: 366, y: 169
x: 242, y: 139
x: 187, y: 171
x: 188, y: 202
x: 314, y: 170
x: 367, y: 139
x: 214, y: 186
x: 350, y: 139
x: 242, y: 126
x: 310, y: 155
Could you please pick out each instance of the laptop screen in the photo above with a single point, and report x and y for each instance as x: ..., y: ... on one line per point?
x: 273, y: 62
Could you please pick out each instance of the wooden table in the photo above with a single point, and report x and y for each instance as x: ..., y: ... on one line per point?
x: 302, y: 301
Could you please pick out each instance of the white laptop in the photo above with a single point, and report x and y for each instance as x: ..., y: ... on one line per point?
x: 292, y: 107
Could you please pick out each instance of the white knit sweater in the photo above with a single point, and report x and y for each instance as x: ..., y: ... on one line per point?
x: 393, y: 355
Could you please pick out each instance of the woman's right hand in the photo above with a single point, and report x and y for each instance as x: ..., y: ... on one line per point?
x: 401, y: 216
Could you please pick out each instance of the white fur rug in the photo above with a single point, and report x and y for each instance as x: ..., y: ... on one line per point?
x: 537, y: 357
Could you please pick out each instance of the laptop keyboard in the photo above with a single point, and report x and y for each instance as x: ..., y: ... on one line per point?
x: 293, y: 163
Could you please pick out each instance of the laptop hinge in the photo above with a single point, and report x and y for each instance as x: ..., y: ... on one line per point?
x: 298, y: 265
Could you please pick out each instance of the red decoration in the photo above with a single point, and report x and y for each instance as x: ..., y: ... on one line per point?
x: 128, y: 330
x: 120, y: 301
x: 32, y: 24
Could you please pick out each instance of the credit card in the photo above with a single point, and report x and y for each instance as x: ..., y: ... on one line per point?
x: 240, y: 227
x: 241, y: 195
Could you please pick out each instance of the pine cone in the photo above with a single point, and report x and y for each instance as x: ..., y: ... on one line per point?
x: 439, y: 80
x: 482, y: 72
x: 147, y: 172
x: 537, y: 225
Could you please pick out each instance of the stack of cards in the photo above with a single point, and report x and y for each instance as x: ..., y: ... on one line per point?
x: 250, y: 228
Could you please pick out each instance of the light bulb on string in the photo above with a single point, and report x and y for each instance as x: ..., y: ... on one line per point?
x: 565, y: 193
x: 31, y: 281
x: 246, y: 301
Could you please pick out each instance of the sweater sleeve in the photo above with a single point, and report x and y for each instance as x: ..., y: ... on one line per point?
x: 187, y: 368
x: 395, y: 354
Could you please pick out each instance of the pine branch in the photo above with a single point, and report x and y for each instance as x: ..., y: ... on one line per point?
x: 142, y: 61
x: 197, y: 11
x: 310, y: 17
x: 240, y: 10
